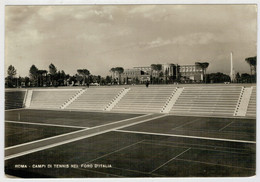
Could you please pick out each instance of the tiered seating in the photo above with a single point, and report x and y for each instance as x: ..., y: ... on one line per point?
x: 14, y: 99
x: 95, y: 99
x: 251, y: 110
x: 50, y: 99
x: 207, y: 100
x: 141, y: 99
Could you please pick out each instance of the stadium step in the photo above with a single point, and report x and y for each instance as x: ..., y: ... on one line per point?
x: 28, y: 98
x: 14, y: 99
x: 251, y: 110
x: 50, y: 98
x: 70, y: 100
x: 155, y: 99
x: 119, y: 96
x: 171, y: 101
x: 207, y: 101
x: 95, y: 99
x: 150, y: 99
x: 243, y: 102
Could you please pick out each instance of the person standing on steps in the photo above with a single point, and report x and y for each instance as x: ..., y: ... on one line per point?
x: 147, y: 84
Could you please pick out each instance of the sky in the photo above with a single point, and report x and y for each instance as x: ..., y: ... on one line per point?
x: 99, y: 37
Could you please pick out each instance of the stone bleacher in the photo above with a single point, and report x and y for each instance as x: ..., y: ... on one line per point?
x: 95, y: 98
x: 207, y: 100
x: 50, y: 99
x: 142, y: 99
x: 14, y: 99
x: 197, y: 101
x: 251, y: 109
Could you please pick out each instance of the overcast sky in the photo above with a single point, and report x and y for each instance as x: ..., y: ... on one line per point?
x: 98, y: 37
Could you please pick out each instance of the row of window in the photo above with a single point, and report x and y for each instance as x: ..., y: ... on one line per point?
x: 189, y: 69
x: 182, y: 69
x: 190, y: 74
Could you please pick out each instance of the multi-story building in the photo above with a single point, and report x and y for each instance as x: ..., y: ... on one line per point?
x: 169, y: 73
x: 136, y: 75
x: 191, y: 73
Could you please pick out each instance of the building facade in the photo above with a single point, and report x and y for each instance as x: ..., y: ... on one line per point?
x: 136, y: 75
x: 193, y: 73
x: 169, y: 73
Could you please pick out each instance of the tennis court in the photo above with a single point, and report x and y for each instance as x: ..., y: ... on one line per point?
x: 92, y: 144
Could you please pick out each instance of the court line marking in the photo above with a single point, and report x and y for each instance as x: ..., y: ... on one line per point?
x: 198, y: 148
x: 189, y: 122
x: 186, y: 136
x: 210, y: 116
x: 45, y: 124
x: 188, y: 160
x: 170, y: 160
x: 114, y: 151
x: 237, y: 133
x: 68, y: 133
x: 77, y: 138
x: 15, y: 109
x: 122, y: 120
x: 200, y: 145
x: 225, y: 126
x: 20, y: 132
x: 88, y: 111
x: 56, y: 136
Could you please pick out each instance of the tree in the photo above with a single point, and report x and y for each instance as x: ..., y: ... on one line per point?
x: 26, y: 81
x: 108, y: 79
x: 113, y: 72
x: 41, y: 76
x: 52, y: 71
x: 84, y: 73
x: 99, y: 79
x: 79, y: 79
x: 204, y: 66
x: 62, y: 78
x: 218, y: 77
x: 245, y: 78
x: 11, y: 72
x: 237, y: 77
x: 19, y: 81
x: 157, y: 68
x: 72, y: 80
x: 33, y: 73
x: 252, y: 63
x: 119, y: 71
x: 91, y: 79
x: 160, y: 79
